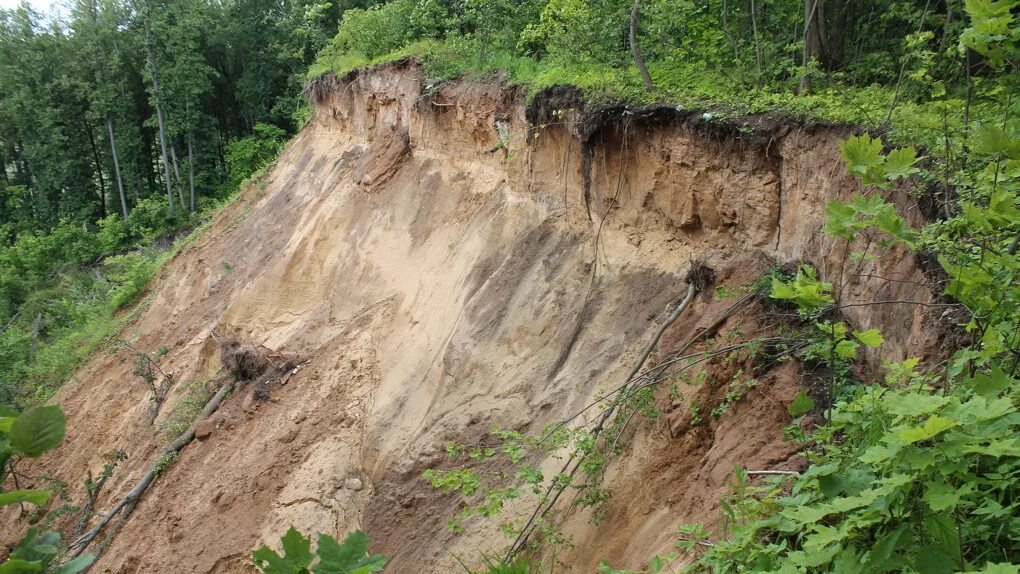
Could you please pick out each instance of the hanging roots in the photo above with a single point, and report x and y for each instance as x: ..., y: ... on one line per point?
x: 242, y: 360
x: 701, y: 276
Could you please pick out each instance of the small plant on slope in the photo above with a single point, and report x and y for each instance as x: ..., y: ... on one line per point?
x: 330, y: 557
x: 30, y: 434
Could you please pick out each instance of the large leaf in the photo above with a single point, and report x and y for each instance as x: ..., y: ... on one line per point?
x: 37, y: 545
x: 349, y: 557
x: 872, y: 337
x: 942, y: 529
x: 38, y: 430
x: 801, y: 405
x: 931, y: 427
x: 297, y: 555
x: 18, y: 566
x: 37, y: 497
x: 76, y: 565
x: 900, y: 163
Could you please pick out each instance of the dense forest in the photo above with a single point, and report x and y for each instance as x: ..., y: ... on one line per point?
x: 125, y: 123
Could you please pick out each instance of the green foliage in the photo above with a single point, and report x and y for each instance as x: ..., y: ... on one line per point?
x: 186, y: 410
x: 921, y: 472
x: 331, y: 557
x: 907, y: 477
x: 30, y: 434
x: 247, y: 155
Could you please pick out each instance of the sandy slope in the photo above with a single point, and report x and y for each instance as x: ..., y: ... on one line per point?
x: 434, y: 285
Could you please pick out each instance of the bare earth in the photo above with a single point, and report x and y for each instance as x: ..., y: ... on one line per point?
x: 434, y: 283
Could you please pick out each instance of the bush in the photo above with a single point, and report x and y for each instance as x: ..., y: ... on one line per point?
x: 247, y: 155
x: 150, y: 218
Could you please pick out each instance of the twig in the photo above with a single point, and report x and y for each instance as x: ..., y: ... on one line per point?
x: 898, y: 302
x: 772, y: 472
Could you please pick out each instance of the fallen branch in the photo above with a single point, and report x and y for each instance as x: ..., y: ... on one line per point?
x: 772, y: 472
x: 130, y: 500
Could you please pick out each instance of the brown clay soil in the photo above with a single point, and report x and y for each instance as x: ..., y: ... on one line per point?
x: 431, y: 282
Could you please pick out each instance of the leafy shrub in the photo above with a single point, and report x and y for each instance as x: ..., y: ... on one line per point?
x: 150, y: 217
x: 113, y: 233
x: 129, y: 274
x: 30, y: 434
x: 247, y: 155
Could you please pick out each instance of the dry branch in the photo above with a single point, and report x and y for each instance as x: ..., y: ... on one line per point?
x: 127, y: 504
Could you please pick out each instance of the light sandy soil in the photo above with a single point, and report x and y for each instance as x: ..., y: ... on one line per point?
x: 434, y: 283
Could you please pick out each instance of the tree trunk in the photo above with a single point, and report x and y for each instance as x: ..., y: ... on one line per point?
x: 812, y: 42
x: 116, y: 167
x: 151, y: 52
x: 177, y: 176
x: 191, y: 173
x: 757, y: 43
x: 836, y: 47
x: 634, y: 12
x: 732, y: 39
x: 99, y: 170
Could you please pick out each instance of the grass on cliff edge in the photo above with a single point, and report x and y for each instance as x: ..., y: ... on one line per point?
x: 690, y: 87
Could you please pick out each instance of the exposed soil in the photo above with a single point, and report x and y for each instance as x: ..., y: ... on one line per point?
x: 429, y: 280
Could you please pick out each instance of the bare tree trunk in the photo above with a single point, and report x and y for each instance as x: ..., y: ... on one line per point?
x: 732, y: 39
x: 116, y: 167
x: 191, y: 173
x: 99, y: 169
x: 177, y: 176
x: 634, y: 13
x: 757, y: 43
x: 812, y: 42
x: 151, y: 52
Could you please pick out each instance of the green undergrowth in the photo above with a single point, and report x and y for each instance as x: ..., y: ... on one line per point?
x: 68, y: 293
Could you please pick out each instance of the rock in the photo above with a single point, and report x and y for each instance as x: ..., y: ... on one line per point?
x: 204, y: 429
x: 354, y: 484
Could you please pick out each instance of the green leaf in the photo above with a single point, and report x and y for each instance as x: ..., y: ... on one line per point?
x: 781, y: 290
x: 801, y: 405
x: 76, y: 565
x: 991, y: 384
x: 931, y: 427
x: 999, y: 568
x: 846, y: 349
x: 349, y: 557
x: 36, y: 497
x: 942, y: 529
x: 871, y: 338
x: 840, y: 219
x: 297, y: 555
x: 861, y: 152
x: 940, y: 496
x: 18, y: 566
x: 884, y: 551
x: 900, y: 163
x: 38, y: 430
x: 933, y: 559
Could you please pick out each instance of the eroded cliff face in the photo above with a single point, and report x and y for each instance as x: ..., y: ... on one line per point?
x: 438, y: 264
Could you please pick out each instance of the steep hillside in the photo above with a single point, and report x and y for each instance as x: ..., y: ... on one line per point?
x: 440, y: 259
